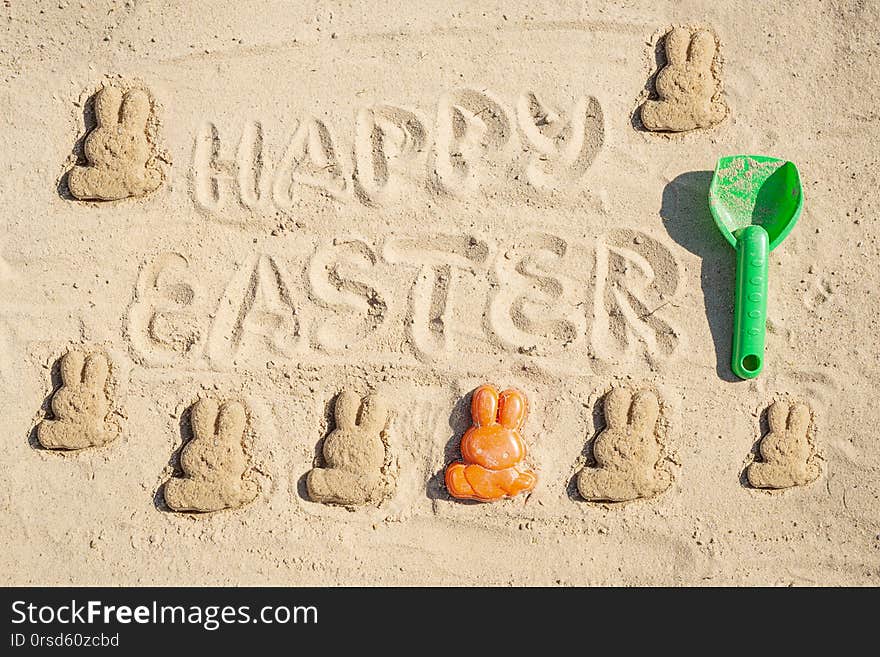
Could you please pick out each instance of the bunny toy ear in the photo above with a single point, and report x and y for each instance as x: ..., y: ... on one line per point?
x: 677, y: 42
x: 107, y: 104
x: 512, y: 409
x: 484, y: 406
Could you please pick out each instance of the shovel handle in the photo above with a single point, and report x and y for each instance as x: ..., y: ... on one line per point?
x: 750, y: 304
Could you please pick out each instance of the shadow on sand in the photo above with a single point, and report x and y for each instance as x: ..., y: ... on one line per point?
x: 686, y: 217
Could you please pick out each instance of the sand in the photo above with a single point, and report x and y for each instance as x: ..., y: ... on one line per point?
x: 404, y: 202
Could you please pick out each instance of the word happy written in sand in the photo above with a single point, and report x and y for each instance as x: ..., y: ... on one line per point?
x: 447, y: 300
x: 471, y: 143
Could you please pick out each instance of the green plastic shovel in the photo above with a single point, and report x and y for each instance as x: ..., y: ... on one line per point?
x: 755, y: 201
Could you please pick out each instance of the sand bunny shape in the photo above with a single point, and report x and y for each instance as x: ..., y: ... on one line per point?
x: 492, y: 450
x: 213, y: 462
x: 119, y: 155
x: 787, y: 453
x: 627, y: 452
x: 686, y: 86
x: 80, y: 405
x: 354, y: 453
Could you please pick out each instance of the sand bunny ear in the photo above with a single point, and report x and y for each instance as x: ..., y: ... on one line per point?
x: 204, y: 419
x: 231, y: 421
x: 777, y: 416
x: 95, y: 371
x: 799, y: 419
x: 644, y: 411
x: 676, y: 46
x: 107, y: 104
x: 135, y: 111
x: 484, y: 406
x: 702, y: 49
x: 617, y: 405
x: 346, y: 410
x: 72, y: 368
x: 374, y: 414
x: 512, y: 409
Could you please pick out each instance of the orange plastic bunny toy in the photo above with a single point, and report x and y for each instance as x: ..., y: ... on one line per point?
x: 493, y: 449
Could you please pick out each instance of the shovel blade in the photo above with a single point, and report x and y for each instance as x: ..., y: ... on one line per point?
x: 757, y: 190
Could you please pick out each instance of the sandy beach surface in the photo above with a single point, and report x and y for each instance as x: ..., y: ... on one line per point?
x: 228, y: 213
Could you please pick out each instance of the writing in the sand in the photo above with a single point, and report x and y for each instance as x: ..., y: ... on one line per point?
x: 471, y: 143
x: 447, y: 300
